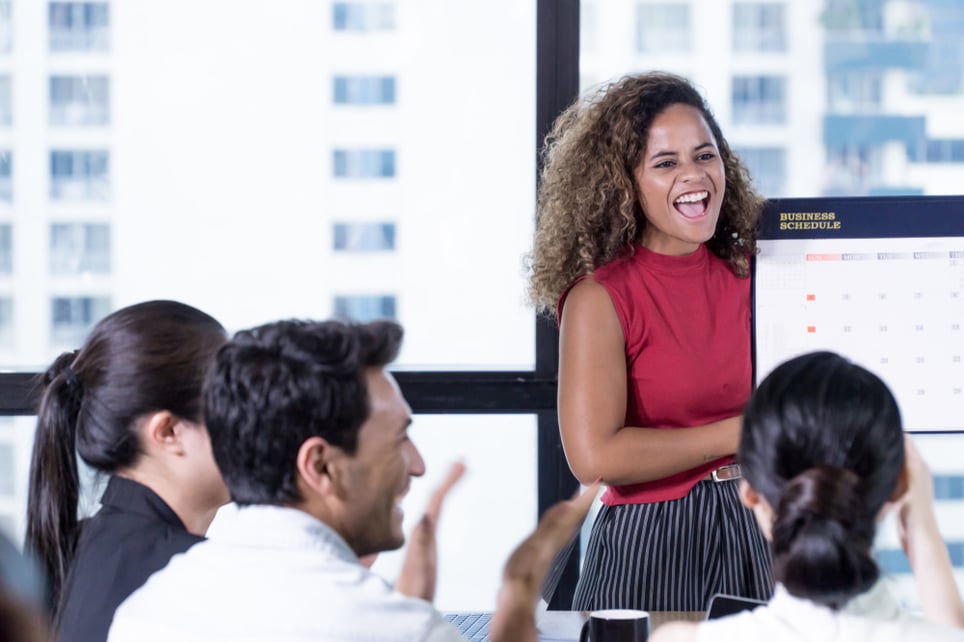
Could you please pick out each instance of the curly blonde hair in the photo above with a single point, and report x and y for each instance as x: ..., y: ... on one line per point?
x: 588, y: 213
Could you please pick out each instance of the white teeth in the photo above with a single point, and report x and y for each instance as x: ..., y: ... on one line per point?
x: 692, y: 197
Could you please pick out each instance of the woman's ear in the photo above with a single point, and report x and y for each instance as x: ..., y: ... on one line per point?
x: 162, y: 431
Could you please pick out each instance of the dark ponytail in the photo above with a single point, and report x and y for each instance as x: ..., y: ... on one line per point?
x: 140, y: 359
x: 822, y: 442
x: 54, y: 483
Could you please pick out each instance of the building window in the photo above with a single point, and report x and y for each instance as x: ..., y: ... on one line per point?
x: 855, y: 93
x: 72, y: 317
x: 79, y: 100
x: 79, y: 175
x: 6, y: 101
x: 759, y: 100
x: 76, y: 248
x: 364, y: 237
x: 759, y: 27
x: 6, y: 27
x: 364, y: 90
x: 79, y: 26
x: 364, y: 163
x: 950, y: 150
x: 6, y: 248
x: 364, y: 308
x: 6, y: 175
x: 363, y: 16
x: 662, y: 27
x: 768, y: 167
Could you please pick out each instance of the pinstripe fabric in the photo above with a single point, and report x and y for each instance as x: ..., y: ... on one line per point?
x: 674, y: 555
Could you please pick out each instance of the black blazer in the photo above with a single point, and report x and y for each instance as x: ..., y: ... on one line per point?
x: 133, y: 535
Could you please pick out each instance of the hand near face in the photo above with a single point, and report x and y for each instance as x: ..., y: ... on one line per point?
x: 420, y: 568
x: 526, y: 568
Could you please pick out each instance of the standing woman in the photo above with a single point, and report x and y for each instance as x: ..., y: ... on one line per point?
x: 129, y: 404
x: 645, y: 227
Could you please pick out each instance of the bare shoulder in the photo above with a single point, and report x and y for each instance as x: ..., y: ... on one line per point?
x: 675, y: 632
x: 587, y: 301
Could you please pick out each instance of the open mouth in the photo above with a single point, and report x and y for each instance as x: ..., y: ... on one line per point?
x: 692, y: 204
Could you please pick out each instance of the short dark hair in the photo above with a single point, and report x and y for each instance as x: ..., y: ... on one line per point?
x: 822, y: 442
x: 277, y: 385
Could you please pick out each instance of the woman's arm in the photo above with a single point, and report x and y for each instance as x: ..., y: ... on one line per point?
x: 924, y: 546
x: 592, y: 404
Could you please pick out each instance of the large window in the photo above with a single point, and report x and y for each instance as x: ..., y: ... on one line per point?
x: 288, y: 160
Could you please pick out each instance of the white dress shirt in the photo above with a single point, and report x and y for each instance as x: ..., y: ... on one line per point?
x: 274, y: 574
x: 874, y: 616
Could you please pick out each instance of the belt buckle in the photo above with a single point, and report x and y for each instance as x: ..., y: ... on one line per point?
x: 726, y: 473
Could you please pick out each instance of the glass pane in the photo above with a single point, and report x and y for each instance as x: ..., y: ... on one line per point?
x: 471, y: 552
x: 876, y: 114
x: 221, y: 172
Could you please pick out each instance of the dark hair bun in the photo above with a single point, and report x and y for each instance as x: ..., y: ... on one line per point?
x: 822, y: 537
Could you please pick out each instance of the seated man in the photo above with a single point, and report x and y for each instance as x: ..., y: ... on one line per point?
x: 310, y: 433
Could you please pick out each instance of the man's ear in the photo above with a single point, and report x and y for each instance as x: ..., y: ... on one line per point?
x: 315, y: 465
x: 162, y: 430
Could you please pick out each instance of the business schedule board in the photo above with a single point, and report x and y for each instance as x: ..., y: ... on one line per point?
x: 879, y: 280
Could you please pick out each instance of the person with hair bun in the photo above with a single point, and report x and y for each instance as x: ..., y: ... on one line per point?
x: 128, y: 403
x: 824, y: 457
x: 645, y: 226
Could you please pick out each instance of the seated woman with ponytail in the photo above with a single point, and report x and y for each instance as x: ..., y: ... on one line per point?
x: 129, y: 404
x: 824, y: 457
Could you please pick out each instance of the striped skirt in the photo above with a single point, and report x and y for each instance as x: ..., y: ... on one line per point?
x: 674, y: 555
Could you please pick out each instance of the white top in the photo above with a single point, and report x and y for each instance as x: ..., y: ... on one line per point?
x: 274, y: 574
x: 872, y: 617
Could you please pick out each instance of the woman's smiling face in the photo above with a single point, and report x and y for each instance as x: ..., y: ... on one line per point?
x: 680, y: 182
